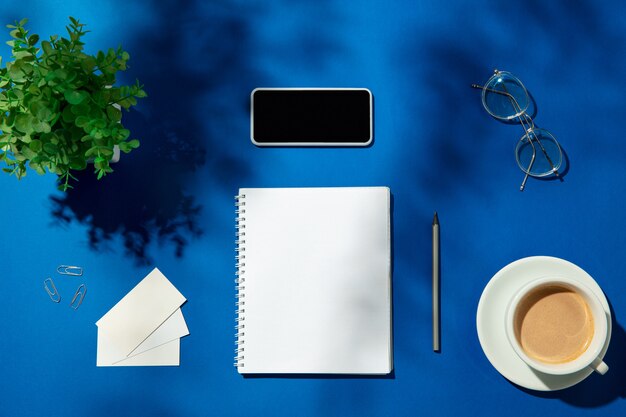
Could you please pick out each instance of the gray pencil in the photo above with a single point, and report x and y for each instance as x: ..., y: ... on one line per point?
x: 436, y: 342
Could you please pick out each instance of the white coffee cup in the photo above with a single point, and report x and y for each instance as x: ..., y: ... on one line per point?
x: 590, y: 357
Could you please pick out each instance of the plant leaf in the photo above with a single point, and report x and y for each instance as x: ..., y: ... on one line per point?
x: 75, y: 96
x: 42, y: 127
x: 16, y: 73
x: 47, y: 48
x: 24, y: 123
x: 80, y: 109
x: 35, y: 145
x: 82, y: 121
x: 115, y: 114
x: 123, y: 134
x: 50, y: 148
x: 91, y: 152
x: 88, y: 64
x: 41, y: 110
x: 68, y: 115
x: 124, y: 147
x: 28, y: 153
x: 78, y: 164
x: 59, y: 73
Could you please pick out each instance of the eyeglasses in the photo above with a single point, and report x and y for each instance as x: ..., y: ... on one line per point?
x: 537, y: 153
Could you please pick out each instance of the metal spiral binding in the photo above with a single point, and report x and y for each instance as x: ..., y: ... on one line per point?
x: 240, y: 279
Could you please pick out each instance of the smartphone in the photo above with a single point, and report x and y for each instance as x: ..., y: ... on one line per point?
x: 311, y: 117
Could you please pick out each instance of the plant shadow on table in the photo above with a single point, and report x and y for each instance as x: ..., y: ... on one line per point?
x: 598, y: 390
x: 180, y: 125
x: 142, y: 201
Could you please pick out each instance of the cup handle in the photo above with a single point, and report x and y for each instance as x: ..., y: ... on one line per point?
x: 599, y: 366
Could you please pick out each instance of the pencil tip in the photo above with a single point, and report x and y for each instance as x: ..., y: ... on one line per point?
x: 436, y: 219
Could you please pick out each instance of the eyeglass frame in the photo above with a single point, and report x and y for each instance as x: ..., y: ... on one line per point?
x: 528, y: 125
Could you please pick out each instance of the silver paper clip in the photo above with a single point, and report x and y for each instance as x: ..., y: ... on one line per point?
x: 70, y: 270
x: 51, y: 289
x: 77, y: 300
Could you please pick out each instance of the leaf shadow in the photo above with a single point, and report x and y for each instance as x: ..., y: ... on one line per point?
x: 142, y: 201
x: 150, y: 197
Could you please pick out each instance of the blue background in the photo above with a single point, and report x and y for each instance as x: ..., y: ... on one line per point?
x: 170, y: 203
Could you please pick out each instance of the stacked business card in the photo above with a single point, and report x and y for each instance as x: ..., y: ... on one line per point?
x: 144, y: 328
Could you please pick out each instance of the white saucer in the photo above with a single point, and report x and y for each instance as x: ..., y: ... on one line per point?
x: 491, y: 313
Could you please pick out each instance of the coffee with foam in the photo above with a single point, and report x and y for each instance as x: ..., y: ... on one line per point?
x: 553, y: 324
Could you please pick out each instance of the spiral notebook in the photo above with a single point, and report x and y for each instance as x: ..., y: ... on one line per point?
x: 313, y: 281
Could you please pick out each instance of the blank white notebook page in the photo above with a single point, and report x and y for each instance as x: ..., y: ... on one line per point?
x: 316, y: 280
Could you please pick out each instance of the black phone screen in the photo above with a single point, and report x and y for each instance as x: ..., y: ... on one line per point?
x: 311, y: 117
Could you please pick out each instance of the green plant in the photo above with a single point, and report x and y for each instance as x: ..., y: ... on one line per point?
x: 59, y: 107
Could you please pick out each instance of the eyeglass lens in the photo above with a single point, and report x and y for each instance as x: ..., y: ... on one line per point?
x: 538, y: 153
x: 504, y: 96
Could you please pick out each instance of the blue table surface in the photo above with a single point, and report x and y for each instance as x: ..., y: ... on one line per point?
x: 170, y: 203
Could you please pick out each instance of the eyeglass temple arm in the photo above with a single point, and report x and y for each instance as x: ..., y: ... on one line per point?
x: 528, y: 128
x: 491, y: 90
x: 518, y: 108
x: 530, y: 132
